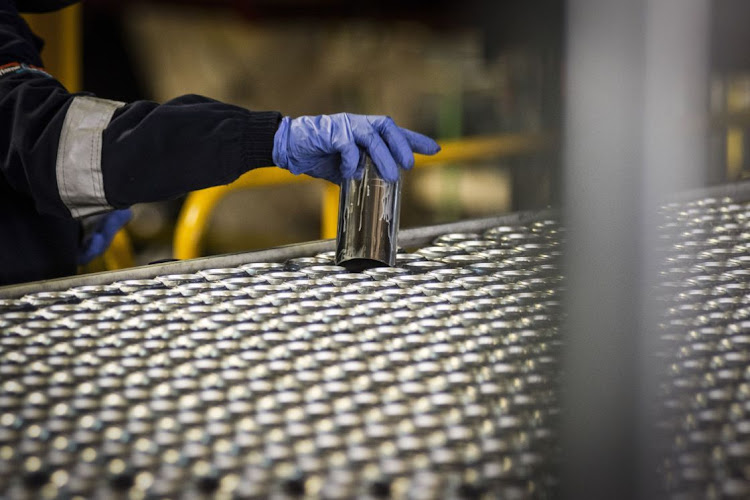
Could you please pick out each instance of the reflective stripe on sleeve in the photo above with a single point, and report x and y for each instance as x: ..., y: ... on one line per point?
x: 79, y: 155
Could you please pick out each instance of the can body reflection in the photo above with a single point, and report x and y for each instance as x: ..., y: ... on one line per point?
x: 369, y: 210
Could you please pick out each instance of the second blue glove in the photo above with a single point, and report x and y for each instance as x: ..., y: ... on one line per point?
x: 100, y: 232
x: 328, y: 146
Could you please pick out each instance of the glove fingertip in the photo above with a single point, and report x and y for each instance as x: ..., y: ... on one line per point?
x: 427, y: 146
x: 350, y: 160
x: 387, y: 170
x: 421, y: 143
x: 389, y: 174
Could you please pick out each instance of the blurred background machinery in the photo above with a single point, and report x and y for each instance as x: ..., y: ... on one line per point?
x: 444, y: 69
x: 475, y: 70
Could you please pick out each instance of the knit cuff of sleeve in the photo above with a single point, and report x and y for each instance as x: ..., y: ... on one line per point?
x: 260, y: 128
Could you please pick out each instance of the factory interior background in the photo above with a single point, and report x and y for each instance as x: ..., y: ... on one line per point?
x: 478, y: 69
x: 453, y: 71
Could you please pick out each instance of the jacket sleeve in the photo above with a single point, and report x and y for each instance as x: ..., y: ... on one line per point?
x: 77, y: 155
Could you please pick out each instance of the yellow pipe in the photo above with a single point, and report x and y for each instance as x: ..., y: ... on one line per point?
x: 119, y: 255
x: 735, y: 135
x: 62, y: 51
x: 193, y: 220
x: 197, y: 209
x: 330, y: 213
x: 269, y: 176
x: 72, y: 56
x: 484, y: 148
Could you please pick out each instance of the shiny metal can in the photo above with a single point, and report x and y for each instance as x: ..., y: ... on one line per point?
x: 369, y: 210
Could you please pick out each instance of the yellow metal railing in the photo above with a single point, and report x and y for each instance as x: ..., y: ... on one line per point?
x: 199, y: 205
x: 119, y: 255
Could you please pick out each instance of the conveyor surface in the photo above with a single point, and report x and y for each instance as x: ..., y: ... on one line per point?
x: 437, y: 378
x: 292, y: 378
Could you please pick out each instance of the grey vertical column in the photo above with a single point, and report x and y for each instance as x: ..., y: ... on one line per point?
x: 621, y: 72
x: 603, y: 160
x: 677, y: 96
x: 676, y: 159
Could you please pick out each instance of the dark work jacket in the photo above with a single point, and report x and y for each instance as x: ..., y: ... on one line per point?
x: 135, y: 152
x: 42, y: 5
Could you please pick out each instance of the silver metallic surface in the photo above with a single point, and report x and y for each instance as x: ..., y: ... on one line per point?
x: 369, y: 211
x: 408, y: 238
x: 266, y: 381
x: 288, y: 379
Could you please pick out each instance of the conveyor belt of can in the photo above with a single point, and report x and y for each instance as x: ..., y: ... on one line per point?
x: 278, y: 374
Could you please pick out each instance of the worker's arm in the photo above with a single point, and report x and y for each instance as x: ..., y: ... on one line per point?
x: 78, y: 155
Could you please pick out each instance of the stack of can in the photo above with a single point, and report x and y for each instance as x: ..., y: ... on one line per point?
x: 705, y: 294
x: 436, y: 378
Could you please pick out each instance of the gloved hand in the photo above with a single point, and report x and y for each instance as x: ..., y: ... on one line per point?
x: 99, y: 232
x: 328, y: 146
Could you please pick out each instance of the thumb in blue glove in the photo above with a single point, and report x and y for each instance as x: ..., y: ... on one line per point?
x: 328, y: 146
x: 99, y: 232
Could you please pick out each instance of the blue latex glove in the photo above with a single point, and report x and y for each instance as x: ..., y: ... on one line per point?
x: 328, y: 146
x: 99, y: 232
